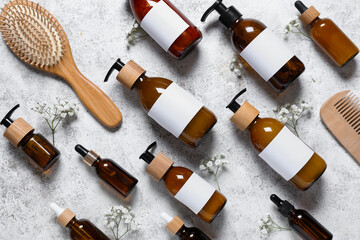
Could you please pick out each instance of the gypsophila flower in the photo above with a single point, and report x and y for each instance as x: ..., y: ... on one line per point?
x: 135, y: 33
x: 120, y: 216
x: 268, y: 226
x: 294, y: 27
x: 236, y: 65
x: 213, y: 165
x: 55, y: 114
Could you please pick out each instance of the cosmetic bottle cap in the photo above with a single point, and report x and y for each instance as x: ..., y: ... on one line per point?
x: 244, y: 115
x: 307, y: 14
x: 173, y: 223
x: 128, y: 74
x: 89, y: 157
x: 227, y: 15
x: 284, y: 207
x: 64, y: 215
x: 16, y: 130
x: 158, y: 165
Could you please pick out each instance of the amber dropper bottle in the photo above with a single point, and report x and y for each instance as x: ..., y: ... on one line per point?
x: 327, y: 35
x: 177, y: 227
x: 259, y: 47
x: 41, y: 153
x: 278, y: 146
x: 112, y: 174
x: 81, y: 229
x: 185, y: 185
x: 167, y: 103
x: 301, y: 221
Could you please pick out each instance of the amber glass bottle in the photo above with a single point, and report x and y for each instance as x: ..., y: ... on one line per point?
x: 327, y: 35
x: 174, y: 32
x: 301, y: 221
x: 259, y: 47
x: 41, y: 153
x: 177, y: 227
x: 111, y: 173
x: 167, y: 103
x: 278, y: 146
x: 81, y: 229
x: 185, y: 185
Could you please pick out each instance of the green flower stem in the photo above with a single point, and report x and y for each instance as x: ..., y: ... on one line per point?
x: 277, y: 226
x: 301, y: 32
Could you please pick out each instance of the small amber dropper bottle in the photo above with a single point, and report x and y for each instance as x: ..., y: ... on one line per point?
x: 167, y: 103
x: 110, y: 172
x: 259, y: 47
x: 328, y: 35
x: 81, y: 229
x: 185, y: 185
x: 278, y: 146
x: 177, y: 227
x: 301, y: 221
x: 41, y: 153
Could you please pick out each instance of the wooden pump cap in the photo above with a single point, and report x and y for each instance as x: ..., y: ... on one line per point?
x: 17, y: 131
x: 309, y: 15
x: 174, y: 226
x: 244, y: 116
x: 129, y: 74
x: 65, y: 217
x: 159, y: 166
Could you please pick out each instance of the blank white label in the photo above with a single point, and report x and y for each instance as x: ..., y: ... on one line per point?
x: 286, y: 154
x: 174, y: 109
x: 195, y: 193
x: 163, y: 24
x: 266, y: 54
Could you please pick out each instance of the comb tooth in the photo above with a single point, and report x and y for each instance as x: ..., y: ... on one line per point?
x: 354, y: 116
x: 344, y: 102
x: 340, y: 101
x: 352, y: 110
x: 347, y: 104
x: 355, y: 119
x: 357, y: 126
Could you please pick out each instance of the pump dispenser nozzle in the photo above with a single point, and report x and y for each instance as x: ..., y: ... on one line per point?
x: 284, y: 207
x: 300, y: 6
x: 233, y: 105
x: 147, y: 156
x: 118, y: 65
x: 7, y: 121
x: 227, y: 15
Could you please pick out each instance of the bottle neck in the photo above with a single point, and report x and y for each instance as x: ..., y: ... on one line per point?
x: 73, y: 223
x: 313, y: 22
x: 138, y: 84
x: 234, y: 25
x: 182, y: 232
x: 253, y: 123
x: 97, y: 162
x: 26, y: 138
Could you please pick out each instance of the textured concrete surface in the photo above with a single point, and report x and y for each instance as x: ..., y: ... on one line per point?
x: 97, y: 33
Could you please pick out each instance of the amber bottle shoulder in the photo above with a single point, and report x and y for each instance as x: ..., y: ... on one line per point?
x: 175, y: 178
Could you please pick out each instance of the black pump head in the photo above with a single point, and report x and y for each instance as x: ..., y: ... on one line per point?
x: 147, y: 156
x: 284, y: 207
x: 233, y: 105
x: 118, y: 65
x: 227, y: 15
x: 81, y: 150
x: 300, y: 6
x: 7, y: 121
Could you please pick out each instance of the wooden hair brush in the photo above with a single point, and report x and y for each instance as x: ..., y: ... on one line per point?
x: 37, y: 38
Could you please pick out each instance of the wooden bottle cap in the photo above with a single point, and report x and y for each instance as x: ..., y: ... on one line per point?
x: 90, y: 158
x: 174, y: 226
x: 65, y: 217
x: 309, y: 15
x: 129, y: 74
x: 159, y: 166
x: 244, y: 116
x: 17, y: 131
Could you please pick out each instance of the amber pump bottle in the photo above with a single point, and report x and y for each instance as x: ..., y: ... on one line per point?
x: 278, y: 146
x: 167, y: 103
x: 185, y: 185
x: 175, y: 33
x: 112, y: 174
x: 81, y: 229
x: 177, y: 227
x: 301, y: 221
x: 327, y: 35
x: 41, y: 153
x: 259, y: 47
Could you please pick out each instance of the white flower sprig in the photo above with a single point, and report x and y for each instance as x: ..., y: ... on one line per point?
x: 290, y: 114
x: 135, y: 33
x: 213, y: 165
x: 236, y: 65
x: 55, y: 114
x: 118, y: 215
x: 267, y: 226
x: 294, y: 27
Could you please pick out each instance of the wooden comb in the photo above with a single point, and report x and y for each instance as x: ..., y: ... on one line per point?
x: 37, y: 38
x: 341, y: 115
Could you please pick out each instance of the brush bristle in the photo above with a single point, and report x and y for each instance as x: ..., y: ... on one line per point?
x: 349, y: 108
x: 32, y: 33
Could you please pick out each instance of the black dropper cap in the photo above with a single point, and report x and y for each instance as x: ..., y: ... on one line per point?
x: 147, y: 156
x: 118, y: 65
x: 233, y: 105
x: 300, y: 6
x: 7, y: 121
x: 81, y: 150
x: 227, y: 15
x: 284, y: 207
